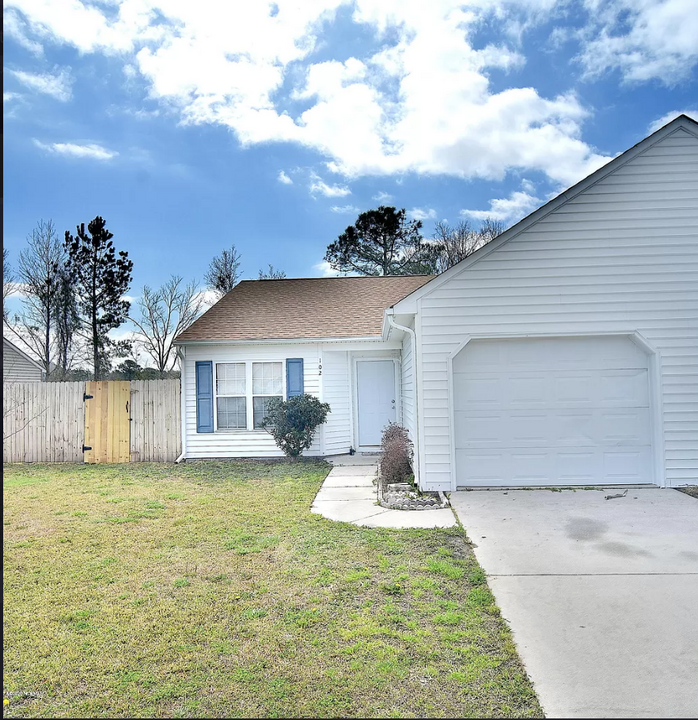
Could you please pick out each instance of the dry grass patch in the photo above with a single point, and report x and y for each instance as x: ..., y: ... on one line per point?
x: 210, y: 590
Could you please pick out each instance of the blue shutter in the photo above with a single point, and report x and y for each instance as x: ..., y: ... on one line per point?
x: 294, y: 377
x: 204, y: 396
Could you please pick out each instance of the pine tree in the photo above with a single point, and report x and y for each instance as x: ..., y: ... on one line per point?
x: 100, y: 280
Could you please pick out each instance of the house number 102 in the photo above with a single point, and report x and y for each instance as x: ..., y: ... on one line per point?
x: 319, y: 367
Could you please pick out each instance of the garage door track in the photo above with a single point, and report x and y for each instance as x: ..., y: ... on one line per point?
x: 601, y: 594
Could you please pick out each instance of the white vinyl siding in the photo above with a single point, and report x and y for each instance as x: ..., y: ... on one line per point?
x: 16, y: 368
x: 332, y: 383
x: 336, y: 386
x: 621, y: 257
x: 248, y: 442
x: 408, y: 386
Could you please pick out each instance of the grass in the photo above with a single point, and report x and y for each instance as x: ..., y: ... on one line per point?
x: 210, y: 590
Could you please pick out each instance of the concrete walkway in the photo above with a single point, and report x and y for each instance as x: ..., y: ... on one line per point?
x: 349, y: 494
x: 601, y: 595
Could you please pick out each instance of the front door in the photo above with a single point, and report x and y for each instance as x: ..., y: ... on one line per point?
x: 375, y: 398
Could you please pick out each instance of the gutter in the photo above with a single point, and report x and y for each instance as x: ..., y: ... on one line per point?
x: 411, y: 332
x: 282, y: 341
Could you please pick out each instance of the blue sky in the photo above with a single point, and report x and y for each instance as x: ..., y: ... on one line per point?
x: 193, y: 125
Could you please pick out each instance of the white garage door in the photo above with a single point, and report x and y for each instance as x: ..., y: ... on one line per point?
x: 553, y: 411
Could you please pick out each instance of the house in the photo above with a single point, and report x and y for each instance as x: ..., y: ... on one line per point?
x: 564, y: 352
x: 17, y: 366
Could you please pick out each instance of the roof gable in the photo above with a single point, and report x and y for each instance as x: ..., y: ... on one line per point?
x: 302, y: 308
x: 21, y: 353
x: 680, y: 124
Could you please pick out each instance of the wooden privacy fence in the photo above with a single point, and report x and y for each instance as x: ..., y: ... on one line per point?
x: 101, y: 422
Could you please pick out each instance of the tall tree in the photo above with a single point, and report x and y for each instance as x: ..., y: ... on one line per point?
x: 455, y: 243
x: 8, y: 285
x: 67, y: 322
x: 101, y: 280
x: 272, y: 274
x: 380, y: 242
x: 40, y: 269
x: 224, y: 271
x: 164, y: 313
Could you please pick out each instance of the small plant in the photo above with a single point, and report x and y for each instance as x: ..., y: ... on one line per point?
x: 396, y: 455
x: 293, y: 422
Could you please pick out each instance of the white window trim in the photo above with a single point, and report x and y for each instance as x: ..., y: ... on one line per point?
x: 249, y: 404
x: 217, y: 395
x: 254, y: 395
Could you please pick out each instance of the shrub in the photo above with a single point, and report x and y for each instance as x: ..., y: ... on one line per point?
x: 396, y: 454
x: 293, y: 422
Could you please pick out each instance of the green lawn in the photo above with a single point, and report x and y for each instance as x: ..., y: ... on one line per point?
x: 209, y: 589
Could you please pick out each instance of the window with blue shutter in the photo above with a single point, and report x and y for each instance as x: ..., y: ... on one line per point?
x: 294, y: 377
x: 204, y: 396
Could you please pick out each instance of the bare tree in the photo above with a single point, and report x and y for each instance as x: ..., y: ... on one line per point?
x: 455, y: 243
x: 272, y: 274
x: 8, y: 281
x: 164, y: 313
x: 67, y: 322
x: 41, y: 272
x: 224, y: 271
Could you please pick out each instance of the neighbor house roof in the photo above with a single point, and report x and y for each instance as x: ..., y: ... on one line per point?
x: 340, y: 307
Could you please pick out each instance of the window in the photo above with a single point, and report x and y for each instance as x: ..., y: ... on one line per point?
x: 240, y: 384
x: 267, y: 383
x: 231, y: 396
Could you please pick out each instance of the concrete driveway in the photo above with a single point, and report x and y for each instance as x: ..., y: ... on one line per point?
x: 601, y: 595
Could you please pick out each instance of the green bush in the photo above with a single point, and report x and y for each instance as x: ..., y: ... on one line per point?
x: 292, y: 423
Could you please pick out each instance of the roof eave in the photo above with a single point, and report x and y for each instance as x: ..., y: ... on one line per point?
x: 283, y: 341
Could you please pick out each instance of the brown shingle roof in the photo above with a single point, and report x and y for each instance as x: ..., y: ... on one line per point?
x: 303, y: 308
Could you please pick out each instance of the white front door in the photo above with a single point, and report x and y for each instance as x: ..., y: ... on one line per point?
x: 375, y: 398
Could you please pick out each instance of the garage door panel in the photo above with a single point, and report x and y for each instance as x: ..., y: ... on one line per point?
x: 551, y: 353
x: 629, y: 387
x: 525, y: 390
x: 540, y: 466
x: 556, y: 428
x: 599, y: 388
x: 573, y: 421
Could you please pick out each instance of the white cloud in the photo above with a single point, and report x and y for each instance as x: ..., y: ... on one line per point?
x: 207, y: 297
x: 325, y: 269
x: 90, y: 151
x: 507, y: 210
x: 14, y: 27
x: 382, y: 197
x: 422, y: 214
x: 284, y: 179
x: 9, y: 96
x: 19, y: 290
x: 317, y: 185
x: 345, y: 209
x: 644, y: 40
x: 419, y: 101
x: 58, y: 86
x: 662, y: 121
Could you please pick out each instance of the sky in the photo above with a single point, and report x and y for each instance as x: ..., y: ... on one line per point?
x: 190, y: 126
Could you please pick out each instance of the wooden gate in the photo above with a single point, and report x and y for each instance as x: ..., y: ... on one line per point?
x: 107, y: 422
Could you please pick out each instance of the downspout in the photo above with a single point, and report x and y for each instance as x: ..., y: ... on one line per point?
x: 181, y: 352
x: 412, y: 334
